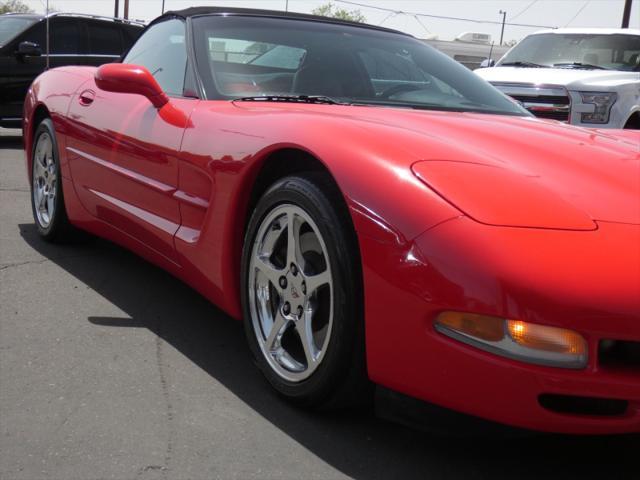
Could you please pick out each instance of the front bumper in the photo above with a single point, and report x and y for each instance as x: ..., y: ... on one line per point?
x: 586, y: 281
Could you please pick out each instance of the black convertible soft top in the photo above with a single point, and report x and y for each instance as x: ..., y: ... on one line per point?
x: 197, y: 11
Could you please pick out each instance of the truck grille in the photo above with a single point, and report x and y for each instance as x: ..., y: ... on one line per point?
x: 543, y: 101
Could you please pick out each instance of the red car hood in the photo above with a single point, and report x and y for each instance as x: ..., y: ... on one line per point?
x: 543, y: 172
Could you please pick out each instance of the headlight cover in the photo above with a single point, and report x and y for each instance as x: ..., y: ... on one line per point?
x: 602, y: 101
x: 523, y: 341
x: 500, y: 196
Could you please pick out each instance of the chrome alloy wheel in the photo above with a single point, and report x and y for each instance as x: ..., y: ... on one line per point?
x: 291, y: 292
x: 45, y: 178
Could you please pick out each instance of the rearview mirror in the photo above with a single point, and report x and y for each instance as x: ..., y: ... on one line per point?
x: 29, y: 49
x: 135, y: 79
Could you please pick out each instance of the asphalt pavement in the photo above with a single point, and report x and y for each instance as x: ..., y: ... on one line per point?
x: 111, y: 368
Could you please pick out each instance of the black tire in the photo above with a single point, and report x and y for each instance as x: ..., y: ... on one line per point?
x: 340, y: 380
x: 57, y: 229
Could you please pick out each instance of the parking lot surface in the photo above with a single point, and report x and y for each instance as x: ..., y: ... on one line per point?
x: 112, y: 368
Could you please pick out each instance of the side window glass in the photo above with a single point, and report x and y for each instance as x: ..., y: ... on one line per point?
x: 162, y: 50
x: 65, y: 37
x: 35, y: 34
x: 104, y: 39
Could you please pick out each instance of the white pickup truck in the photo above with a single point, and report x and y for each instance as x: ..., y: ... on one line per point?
x: 587, y: 77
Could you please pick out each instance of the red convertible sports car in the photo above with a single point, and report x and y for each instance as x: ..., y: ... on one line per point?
x: 375, y: 212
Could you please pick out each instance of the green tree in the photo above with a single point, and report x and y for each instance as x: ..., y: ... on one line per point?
x: 329, y: 10
x: 14, y: 6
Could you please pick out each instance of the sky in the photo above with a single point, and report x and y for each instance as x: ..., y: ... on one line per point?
x: 552, y: 13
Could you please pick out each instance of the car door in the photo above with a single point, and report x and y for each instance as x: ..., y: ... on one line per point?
x: 64, y: 47
x: 18, y: 71
x: 123, y: 152
x: 105, y: 42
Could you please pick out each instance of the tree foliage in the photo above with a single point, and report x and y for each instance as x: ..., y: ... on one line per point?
x: 330, y: 10
x: 14, y: 6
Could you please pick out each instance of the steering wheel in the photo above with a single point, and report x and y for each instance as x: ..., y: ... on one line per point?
x: 402, y: 87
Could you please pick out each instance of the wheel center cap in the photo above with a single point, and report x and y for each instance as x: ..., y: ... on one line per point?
x: 294, y: 292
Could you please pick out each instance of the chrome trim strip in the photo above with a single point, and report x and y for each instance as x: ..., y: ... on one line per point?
x: 185, y: 197
x: 96, y: 17
x: 136, y: 177
x: 531, y: 90
x: 152, y: 219
x: 115, y: 55
x: 546, y: 107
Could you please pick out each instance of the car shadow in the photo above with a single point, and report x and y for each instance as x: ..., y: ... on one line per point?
x: 357, y: 444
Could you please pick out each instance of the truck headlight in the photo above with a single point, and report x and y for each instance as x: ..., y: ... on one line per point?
x: 602, y: 103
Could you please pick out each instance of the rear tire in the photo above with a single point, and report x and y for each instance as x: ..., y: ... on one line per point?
x: 47, y: 200
x: 302, y: 295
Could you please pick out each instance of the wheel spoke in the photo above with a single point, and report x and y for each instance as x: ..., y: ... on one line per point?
x: 303, y: 327
x: 50, y: 205
x: 316, y: 281
x: 37, y: 166
x: 269, y: 270
x: 42, y: 199
x: 46, y: 147
x: 293, y: 240
x: 280, y: 324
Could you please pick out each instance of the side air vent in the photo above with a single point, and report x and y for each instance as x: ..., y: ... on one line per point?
x: 574, y: 405
x: 619, y: 354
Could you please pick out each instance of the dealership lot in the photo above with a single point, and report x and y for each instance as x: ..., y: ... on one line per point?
x: 111, y: 368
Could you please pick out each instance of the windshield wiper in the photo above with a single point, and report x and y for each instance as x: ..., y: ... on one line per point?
x: 292, y: 99
x: 522, y: 64
x: 579, y: 65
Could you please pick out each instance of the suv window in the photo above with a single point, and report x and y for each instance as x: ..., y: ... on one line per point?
x: 162, y: 50
x: 104, y: 39
x: 65, y: 36
x: 11, y: 26
x: 35, y: 34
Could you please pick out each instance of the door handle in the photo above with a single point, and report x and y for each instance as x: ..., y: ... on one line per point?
x: 86, y: 98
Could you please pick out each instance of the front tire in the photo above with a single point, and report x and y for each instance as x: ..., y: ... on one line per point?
x: 301, y: 294
x: 47, y: 201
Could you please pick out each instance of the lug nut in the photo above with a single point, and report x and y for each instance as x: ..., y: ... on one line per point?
x: 294, y: 269
x: 300, y: 311
x: 283, y: 282
x: 286, y: 308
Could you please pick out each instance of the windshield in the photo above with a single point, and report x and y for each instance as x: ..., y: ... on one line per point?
x: 592, y: 51
x: 243, y: 56
x: 11, y: 26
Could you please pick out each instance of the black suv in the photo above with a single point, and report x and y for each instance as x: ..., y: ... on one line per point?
x: 74, y: 39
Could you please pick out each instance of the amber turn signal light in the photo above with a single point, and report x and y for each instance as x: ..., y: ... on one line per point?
x: 548, y: 339
x: 524, y: 341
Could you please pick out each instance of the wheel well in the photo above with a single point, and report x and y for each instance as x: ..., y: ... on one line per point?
x: 280, y: 164
x: 40, y: 114
x: 633, y: 122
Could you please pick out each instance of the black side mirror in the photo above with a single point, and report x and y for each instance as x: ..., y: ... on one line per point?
x: 29, y: 49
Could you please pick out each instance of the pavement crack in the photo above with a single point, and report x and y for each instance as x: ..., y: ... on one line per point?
x: 164, y: 384
x: 6, y: 266
x: 20, y: 264
x: 5, y: 189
